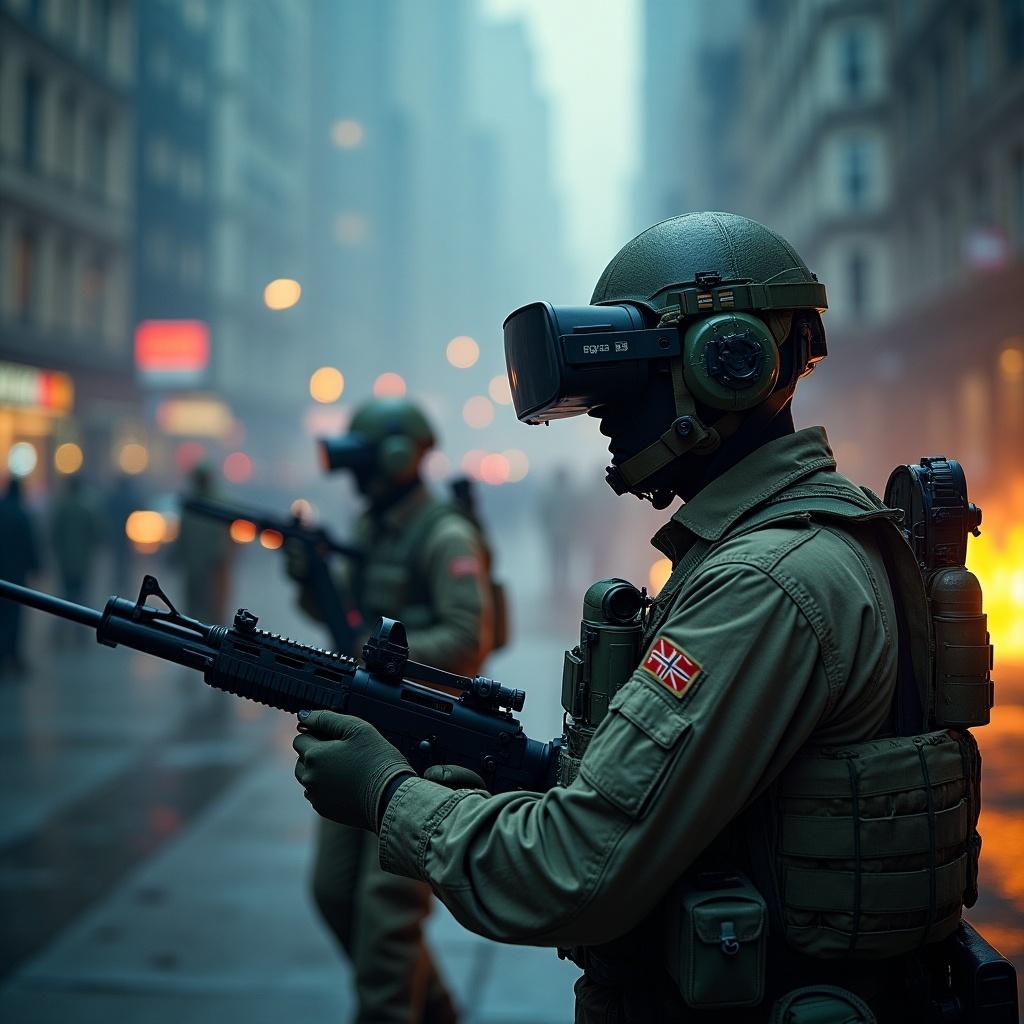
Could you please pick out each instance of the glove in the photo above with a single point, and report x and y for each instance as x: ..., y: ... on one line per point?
x: 345, y: 766
x: 454, y: 776
x: 296, y: 565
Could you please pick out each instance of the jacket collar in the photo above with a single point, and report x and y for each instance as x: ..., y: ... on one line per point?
x: 398, y: 516
x: 752, y: 482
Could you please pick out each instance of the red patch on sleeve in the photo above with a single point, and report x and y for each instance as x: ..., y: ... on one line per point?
x: 464, y: 565
x: 671, y: 666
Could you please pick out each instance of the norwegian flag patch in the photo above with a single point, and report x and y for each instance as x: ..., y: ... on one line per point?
x: 671, y: 666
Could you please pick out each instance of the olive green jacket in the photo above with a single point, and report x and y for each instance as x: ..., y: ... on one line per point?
x: 785, y: 636
x: 425, y: 565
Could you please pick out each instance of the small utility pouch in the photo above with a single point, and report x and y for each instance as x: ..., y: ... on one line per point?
x: 717, y: 933
x: 821, y: 1004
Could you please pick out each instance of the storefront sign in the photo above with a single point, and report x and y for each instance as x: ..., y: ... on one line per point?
x: 28, y: 387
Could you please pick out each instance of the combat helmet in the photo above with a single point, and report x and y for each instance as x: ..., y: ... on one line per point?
x: 387, y: 439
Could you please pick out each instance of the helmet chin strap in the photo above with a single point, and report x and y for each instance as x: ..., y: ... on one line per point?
x: 687, y: 433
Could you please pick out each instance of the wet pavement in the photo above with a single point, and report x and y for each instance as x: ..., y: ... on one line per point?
x: 154, y: 846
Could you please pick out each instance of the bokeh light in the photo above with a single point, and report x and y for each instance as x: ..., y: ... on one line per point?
x: 22, y: 458
x: 1011, y: 362
x: 145, y: 529
x: 658, y: 575
x: 389, y: 385
x: 347, y: 133
x: 478, y: 412
x: 271, y: 539
x: 237, y: 468
x: 436, y: 465
x: 302, y: 510
x: 242, y: 531
x: 282, y: 293
x: 188, y: 455
x: 133, y: 458
x: 327, y: 384
x: 68, y: 458
x: 471, y: 462
x: 494, y: 469
x: 462, y: 352
x: 500, y: 390
x: 518, y: 464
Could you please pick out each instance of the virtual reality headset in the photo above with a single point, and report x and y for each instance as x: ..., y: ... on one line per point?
x: 353, y: 452
x: 566, y: 360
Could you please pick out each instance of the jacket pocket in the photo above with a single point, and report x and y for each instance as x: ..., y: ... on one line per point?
x: 630, y: 752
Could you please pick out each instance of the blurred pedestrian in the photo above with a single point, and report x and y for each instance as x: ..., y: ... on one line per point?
x: 75, y: 534
x: 204, y: 552
x: 19, y: 557
x: 122, y: 501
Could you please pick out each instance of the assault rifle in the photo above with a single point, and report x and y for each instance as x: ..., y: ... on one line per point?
x: 339, y: 612
x: 402, y: 699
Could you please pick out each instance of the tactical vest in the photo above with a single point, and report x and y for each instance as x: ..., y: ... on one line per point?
x: 395, y: 582
x: 869, y: 850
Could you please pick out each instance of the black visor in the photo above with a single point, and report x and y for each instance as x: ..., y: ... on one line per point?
x: 566, y: 360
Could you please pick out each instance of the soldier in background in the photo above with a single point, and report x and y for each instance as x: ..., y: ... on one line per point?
x: 425, y: 563
x: 75, y: 535
x: 19, y: 557
x: 204, y: 552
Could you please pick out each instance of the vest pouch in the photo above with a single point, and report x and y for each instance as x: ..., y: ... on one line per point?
x: 878, y: 847
x: 717, y: 933
x: 821, y: 1004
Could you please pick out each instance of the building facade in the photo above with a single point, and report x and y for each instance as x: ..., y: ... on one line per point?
x: 66, y: 229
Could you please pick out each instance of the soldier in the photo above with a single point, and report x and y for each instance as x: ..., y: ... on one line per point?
x: 424, y: 564
x: 733, y: 779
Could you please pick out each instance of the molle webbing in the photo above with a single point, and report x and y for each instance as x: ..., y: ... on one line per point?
x: 877, y: 844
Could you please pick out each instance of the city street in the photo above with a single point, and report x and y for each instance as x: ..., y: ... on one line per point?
x: 154, y: 846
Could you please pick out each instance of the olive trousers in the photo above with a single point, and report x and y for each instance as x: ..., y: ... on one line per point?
x: 377, y: 919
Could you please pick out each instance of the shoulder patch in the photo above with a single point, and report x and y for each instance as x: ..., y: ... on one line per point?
x: 671, y: 666
x: 464, y: 565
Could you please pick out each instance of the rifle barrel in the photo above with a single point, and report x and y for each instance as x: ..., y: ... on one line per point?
x: 53, y: 605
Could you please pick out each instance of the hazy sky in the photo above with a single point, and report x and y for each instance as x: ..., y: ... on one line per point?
x: 587, y: 55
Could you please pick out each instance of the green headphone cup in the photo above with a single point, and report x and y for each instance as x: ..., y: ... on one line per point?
x: 730, y: 361
x: 396, y: 456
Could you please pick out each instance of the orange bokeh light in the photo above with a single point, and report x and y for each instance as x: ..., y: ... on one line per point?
x: 327, y: 384
x: 271, y: 539
x: 478, y: 412
x: 237, y: 468
x: 494, y: 469
x: 462, y: 352
x: 242, y: 531
x: 500, y: 390
x: 282, y: 293
x: 389, y: 385
x: 658, y: 575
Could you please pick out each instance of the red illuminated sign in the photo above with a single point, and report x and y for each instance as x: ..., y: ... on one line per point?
x: 172, y: 346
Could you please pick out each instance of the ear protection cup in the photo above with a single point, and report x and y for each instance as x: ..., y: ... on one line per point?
x: 396, y: 455
x: 730, y: 361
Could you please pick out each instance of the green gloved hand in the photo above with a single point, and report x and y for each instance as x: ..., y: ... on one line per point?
x: 345, y: 766
x: 454, y: 776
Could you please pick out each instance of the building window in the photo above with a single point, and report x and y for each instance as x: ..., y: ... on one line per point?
x: 99, y: 155
x: 63, y: 284
x: 856, y: 173
x: 160, y: 159
x: 975, y: 55
x: 857, y: 278
x: 981, y: 199
x: 67, y: 117
x: 1017, y: 177
x: 25, y: 251
x: 1013, y: 31
x: 30, y: 112
x: 853, y: 62
x: 102, y: 20
x: 940, y: 88
x: 94, y: 290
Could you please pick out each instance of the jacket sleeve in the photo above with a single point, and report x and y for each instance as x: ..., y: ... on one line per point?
x: 667, y: 769
x: 459, y: 636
